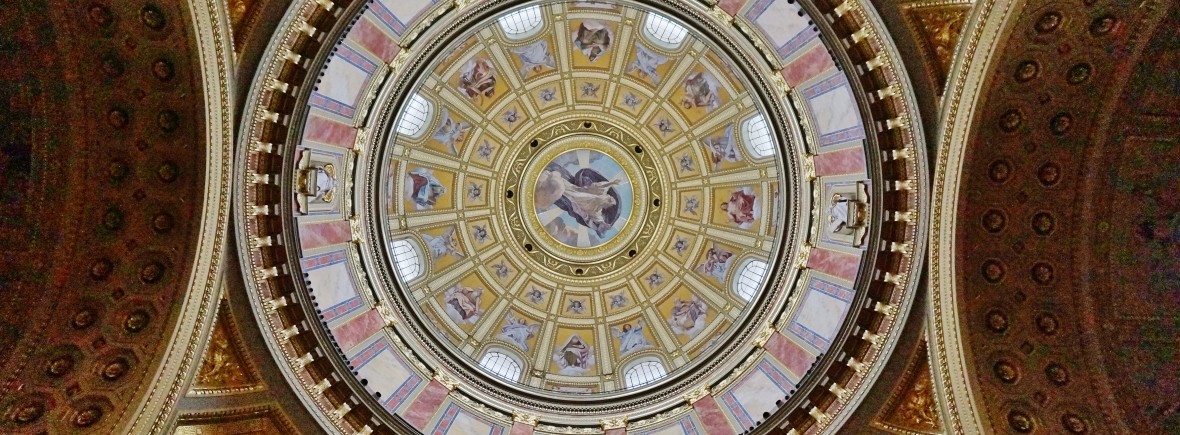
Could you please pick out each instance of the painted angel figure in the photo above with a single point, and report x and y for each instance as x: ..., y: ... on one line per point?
x: 700, y: 91
x: 423, y: 188
x: 688, y: 317
x: 630, y: 338
x: 742, y: 207
x: 477, y: 79
x: 462, y: 304
x: 442, y: 245
x: 716, y: 263
x: 576, y: 306
x: 722, y: 148
x: 480, y: 233
x: 502, y: 270
x: 574, y: 357
x: 647, y: 64
x: 594, y: 38
x: 618, y: 301
x: 586, y: 196
x: 474, y: 191
x: 518, y: 331
x: 535, y: 295
x: 535, y: 57
x: 680, y: 246
x: 451, y: 132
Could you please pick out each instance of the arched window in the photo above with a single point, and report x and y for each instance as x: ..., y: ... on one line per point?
x: 522, y: 23
x: 664, y: 31
x: 757, y: 137
x: 643, y: 373
x: 501, y: 364
x: 750, y: 278
x: 409, y: 263
x: 415, y: 117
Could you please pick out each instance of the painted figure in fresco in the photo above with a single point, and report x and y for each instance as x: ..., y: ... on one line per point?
x: 474, y: 191
x: 587, y: 196
x: 576, y: 306
x: 844, y: 214
x: 480, y: 233
x: 686, y: 163
x: 631, y: 101
x: 424, y: 189
x: 655, y: 279
x: 574, y: 357
x: 700, y: 91
x: 511, y: 116
x: 680, y: 246
x: 716, y: 263
x: 722, y: 148
x: 618, y: 301
x: 594, y: 38
x: 741, y: 207
x: 535, y: 295
x: 590, y: 89
x: 451, y: 132
x: 630, y: 338
x: 665, y: 126
x: 462, y: 304
x: 692, y: 205
x: 443, y: 245
x: 502, y: 270
x: 564, y: 234
x: 518, y: 331
x: 548, y: 95
x: 485, y: 150
x: 688, y: 317
x: 647, y: 63
x: 477, y: 79
x: 534, y: 58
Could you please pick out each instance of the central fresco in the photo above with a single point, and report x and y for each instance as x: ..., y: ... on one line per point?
x: 582, y: 186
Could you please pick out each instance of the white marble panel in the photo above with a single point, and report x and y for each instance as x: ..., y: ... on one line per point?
x: 821, y: 313
x: 781, y: 22
x: 331, y: 285
x: 834, y: 110
x: 385, y: 373
x: 342, y: 81
x: 406, y: 10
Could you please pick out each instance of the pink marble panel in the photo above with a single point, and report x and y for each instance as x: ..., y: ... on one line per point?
x: 619, y: 431
x: 845, y: 161
x: 732, y: 6
x: 521, y: 429
x: 320, y: 234
x: 369, y: 36
x: 811, y: 64
x: 792, y: 356
x: 329, y: 132
x: 712, y: 418
x: 834, y: 263
x: 356, y: 330
x: 426, y: 405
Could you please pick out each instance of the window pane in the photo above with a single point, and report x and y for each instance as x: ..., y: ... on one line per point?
x: 643, y: 373
x: 750, y: 279
x: 406, y: 259
x: 521, y: 22
x: 758, y: 139
x: 665, y: 30
x: 414, y: 117
x: 502, y: 365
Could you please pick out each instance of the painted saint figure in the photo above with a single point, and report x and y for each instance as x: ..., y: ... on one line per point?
x: 574, y: 357
x: 423, y: 188
x: 477, y: 79
x: 722, y: 148
x: 647, y: 63
x: 630, y: 338
x: 443, y: 244
x: 701, y: 91
x: 594, y: 38
x: 462, y: 304
x: 742, y: 207
x: 716, y: 263
x: 518, y: 331
x: 688, y: 317
x: 587, y: 196
x: 534, y: 58
x: 451, y: 132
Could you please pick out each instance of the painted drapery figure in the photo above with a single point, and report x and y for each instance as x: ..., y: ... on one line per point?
x: 631, y: 338
x: 594, y: 38
x: 688, y: 317
x: 575, y: 357
x: 518, y: 331
x: 742, y: 207
x: 423, y: 188
x: 462, y: 304
x: 477, y: 79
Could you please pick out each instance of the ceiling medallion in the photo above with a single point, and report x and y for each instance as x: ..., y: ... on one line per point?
x: 587, y: 200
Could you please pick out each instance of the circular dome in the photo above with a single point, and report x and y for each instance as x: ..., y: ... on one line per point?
x: 584, y: 191
x: 574, y: 217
